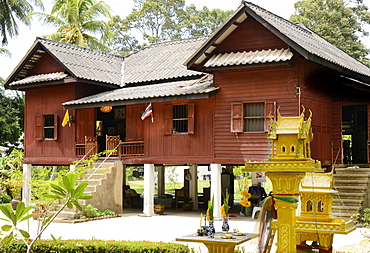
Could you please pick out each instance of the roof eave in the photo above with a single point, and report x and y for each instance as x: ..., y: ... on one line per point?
x: 143, y: 100
x: 216, y: 35
x: 21, y: 64
x: 340, y: 69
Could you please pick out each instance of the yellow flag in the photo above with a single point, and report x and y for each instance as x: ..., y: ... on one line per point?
x: 65, y: 119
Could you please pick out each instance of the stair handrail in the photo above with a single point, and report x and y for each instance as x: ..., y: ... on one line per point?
x: 82, y: 158
x: 106, y: 158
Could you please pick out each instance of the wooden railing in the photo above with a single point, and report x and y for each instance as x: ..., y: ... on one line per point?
x: 132, y: 148
x: 125, y: 149
x: 80, y: 149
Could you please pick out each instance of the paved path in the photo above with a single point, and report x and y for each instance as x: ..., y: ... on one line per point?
x: 168, y: 227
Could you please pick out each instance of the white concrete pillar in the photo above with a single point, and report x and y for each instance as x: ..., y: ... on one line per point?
x: 193, y: 185
x: 161, y: 181
x: 216, y: 188
x: 26, y: 189
x: 148, y: 189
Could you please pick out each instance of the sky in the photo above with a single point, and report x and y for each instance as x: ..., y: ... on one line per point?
x: 19, y: 45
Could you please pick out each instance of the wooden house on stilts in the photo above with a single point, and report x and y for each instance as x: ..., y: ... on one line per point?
x: 212, y: 99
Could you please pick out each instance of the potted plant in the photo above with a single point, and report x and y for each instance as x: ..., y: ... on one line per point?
x: 39, y: 211
x: 14, y: 184
x: 159, y: 209
x: 188, y: 204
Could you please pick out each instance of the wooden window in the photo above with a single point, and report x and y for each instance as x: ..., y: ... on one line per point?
x: 179, y: 119
x: 47, y: 127
x: 252, y: 117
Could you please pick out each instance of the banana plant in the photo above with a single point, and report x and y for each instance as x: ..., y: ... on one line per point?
x: 65, y: 190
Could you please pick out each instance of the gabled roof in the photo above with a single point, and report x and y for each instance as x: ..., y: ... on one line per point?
x: 307, y: 43
x: 81, y: 63
x: 176, y: 90
x: 161, y: 62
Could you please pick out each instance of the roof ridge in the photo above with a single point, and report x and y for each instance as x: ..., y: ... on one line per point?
x: 40, y: 39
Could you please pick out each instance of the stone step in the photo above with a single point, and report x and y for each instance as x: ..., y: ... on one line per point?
x: 95, y: 176
x: 343, y: 216
x: 350, y: 195
x: 94, y: 182
x: 65, y: 214
x: 347, y: 201
x: 343, y: 182
x: 351, y: 176
x: 90, y: 188
x: 352, y: 171
x: 350, y: 188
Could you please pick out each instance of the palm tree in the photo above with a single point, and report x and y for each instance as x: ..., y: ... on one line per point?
x: 78, y: 21
x: 10, y: 11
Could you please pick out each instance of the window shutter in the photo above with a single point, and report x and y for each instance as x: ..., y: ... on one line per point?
x: 237, y: 117
x: 55, y: 127
x: 270, y: 114
x: 168, y: 119
x: 191, y: 118
x: 39, y: 127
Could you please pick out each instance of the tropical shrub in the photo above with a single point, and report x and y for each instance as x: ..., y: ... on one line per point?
x: 86, y: 246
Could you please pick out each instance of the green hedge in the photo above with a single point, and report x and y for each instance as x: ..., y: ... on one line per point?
x: 95, y: 246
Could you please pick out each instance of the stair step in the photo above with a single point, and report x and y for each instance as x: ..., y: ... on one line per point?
x: 346, y: 208
x: 349, y: 175
x: 351, y: 181
x: 352, y: 170
x: 65, y: 214
x: 350, y: 187
x: 348, y: 201
x: 342, y: 215
x: 350, y: 195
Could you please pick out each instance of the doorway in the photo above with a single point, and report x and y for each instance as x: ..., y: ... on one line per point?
x: 354, y: 134
x: 112, y: 123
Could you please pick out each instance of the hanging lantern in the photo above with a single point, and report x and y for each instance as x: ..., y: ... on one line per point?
x: 106, y: 109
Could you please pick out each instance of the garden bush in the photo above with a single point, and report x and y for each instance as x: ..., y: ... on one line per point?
x: 4, y: 198
x: 95, y: 246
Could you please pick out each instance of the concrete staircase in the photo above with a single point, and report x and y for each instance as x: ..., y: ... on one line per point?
x: 98, y: 181
x: 353, y: 185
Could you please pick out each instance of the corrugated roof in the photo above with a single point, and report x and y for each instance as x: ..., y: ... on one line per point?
x: 251, y: 57
x: 40, y: 78
x: 85, y: 63
x: 162, y: 61
x: 203, y: 85
x: 308, y: 44
x: 310, y: 41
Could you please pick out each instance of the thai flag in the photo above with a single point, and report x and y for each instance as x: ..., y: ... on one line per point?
x: 148, y: 111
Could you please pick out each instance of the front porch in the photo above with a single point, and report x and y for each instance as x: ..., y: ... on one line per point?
x: 113, y: 142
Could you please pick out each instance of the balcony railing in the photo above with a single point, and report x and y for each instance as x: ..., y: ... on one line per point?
x: 125, y: 149
x: 132, y: 148
x: 80, y: 149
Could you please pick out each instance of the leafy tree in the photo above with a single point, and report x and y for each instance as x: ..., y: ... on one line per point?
x: 339, y: 22
x: 10, y: 11
x: 78, y: 21
x: 160, y: 20
x: 157, y: 20
x: 123, y: 42
x: 204, y: 21
x: 11, y: 117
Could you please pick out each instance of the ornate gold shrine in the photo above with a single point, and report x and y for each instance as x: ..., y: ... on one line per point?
x: 290, y: 161
x: 316, y: 223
